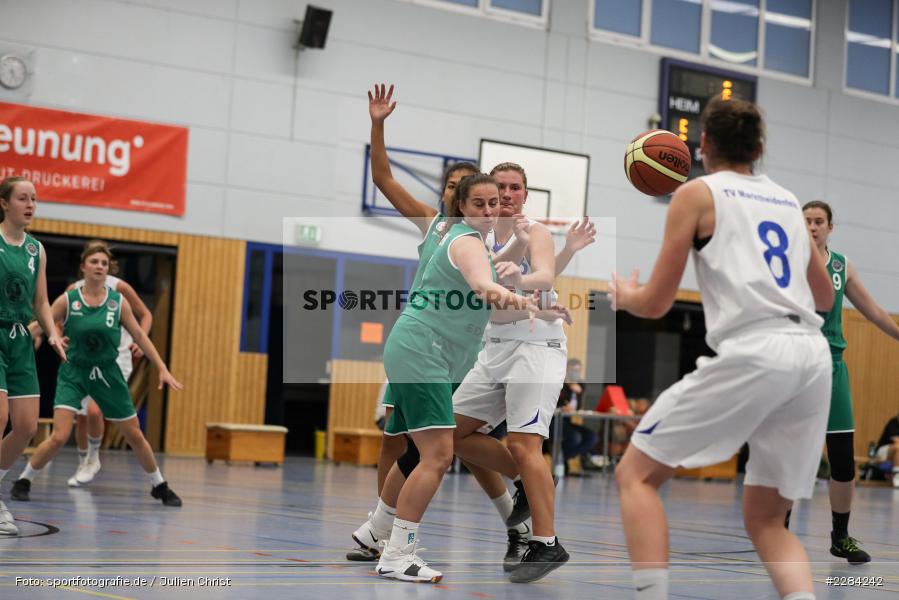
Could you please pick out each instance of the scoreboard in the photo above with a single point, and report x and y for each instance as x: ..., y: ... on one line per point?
x: 685, y: 89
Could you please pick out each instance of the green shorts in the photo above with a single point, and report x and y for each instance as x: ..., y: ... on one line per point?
x: 840, y: 419
x: 18, y: 373
x: 423, y: 369
x: 104, y: 383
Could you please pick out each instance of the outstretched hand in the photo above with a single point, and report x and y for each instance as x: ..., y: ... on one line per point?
x: 379, y: 104
x: 580, y: 235
x: 621, y: 289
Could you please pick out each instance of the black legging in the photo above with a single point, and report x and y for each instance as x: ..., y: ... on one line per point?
x: 841, y: 454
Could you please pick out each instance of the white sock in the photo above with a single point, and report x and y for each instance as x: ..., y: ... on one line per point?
x: 503, y: 505
x: 155, y: 477
x: 82, y: 455
x: 522, y: 528
x: 382, y: 518
x: 403, y: 534
x: 800, y: 596
x: 651, y: 584
x: 29, y: 472
x: 549, y: 541
x: 3, y: 473
x: 93, y: 447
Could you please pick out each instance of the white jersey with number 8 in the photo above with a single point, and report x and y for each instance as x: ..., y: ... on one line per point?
x: 753, y: 270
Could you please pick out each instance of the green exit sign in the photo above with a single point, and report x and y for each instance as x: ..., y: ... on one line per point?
x: 308, y: 234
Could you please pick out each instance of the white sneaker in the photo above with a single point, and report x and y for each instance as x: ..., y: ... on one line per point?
x: 7, y: 527
x: 405, y: 565
x: 87, y: 470
x: 896, y: 479
x: 370, y: 538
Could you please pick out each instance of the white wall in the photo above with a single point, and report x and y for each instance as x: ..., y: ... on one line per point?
x: 275, y: 135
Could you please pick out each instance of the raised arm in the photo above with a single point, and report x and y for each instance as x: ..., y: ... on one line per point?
x: 143, y: 341
x: 819, y: 279
x: 580, y: 235
x: 379, y: 108
x: 867, y: 305
x: 655, y: 298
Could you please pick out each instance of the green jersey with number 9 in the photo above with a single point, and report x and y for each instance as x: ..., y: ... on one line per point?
x: 19, y: 266
x: 833, y: 320
x: 94, y: 332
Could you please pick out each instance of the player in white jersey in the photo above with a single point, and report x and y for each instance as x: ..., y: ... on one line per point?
x: 761, y: 283
x: 517, y: 379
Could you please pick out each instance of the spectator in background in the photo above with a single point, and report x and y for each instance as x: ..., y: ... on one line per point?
x: 888, y: 447
x: 577, y: 440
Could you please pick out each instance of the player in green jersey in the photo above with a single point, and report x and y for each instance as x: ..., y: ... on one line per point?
x: 93, y: 317
x: 23, y: 296
x: 840, y: 425
x: 443, y: 323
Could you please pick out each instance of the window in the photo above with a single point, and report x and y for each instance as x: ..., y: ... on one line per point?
x: 774, y: 36
x: 788, y: 35
x: 735, y: 31
x: 525, y: 12
x: 870, y: 38
x: 618, y: 16
x: 675, y: 24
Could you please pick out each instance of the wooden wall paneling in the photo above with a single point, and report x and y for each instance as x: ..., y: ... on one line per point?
x: 205, y: 331
x: 871, y: 357
x: 353, y: 393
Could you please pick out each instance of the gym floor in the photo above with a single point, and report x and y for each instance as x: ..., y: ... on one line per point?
x: 283, y: 533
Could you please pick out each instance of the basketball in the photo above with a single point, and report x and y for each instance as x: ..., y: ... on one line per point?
x: 657, y: 162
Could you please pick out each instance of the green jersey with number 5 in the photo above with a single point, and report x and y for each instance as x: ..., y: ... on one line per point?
x: 94, y: 332
x: 19, y: 266
x: 833, y: 320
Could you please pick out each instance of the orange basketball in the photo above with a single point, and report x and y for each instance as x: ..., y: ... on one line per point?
x: 657, y: 162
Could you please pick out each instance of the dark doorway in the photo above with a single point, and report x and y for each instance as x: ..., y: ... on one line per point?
x: 150, y: 270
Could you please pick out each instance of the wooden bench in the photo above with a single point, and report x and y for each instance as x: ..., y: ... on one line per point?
x: 236, y: 441
x: 44, y: 430
x: 725, y: 470
x: 358, y: 446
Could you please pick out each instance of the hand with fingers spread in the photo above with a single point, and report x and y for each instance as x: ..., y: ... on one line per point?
x: 379, y: 104
x: 580, y: 235
x: 508, y: 274
x: 621, y: 290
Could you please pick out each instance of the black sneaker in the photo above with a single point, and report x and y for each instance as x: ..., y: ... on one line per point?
x: 518, y: 545
x: 539, y: 561
x: 521, y: 510
x: 163, y: 492
x: 21, y: 490
x: 847, y: 548
x: 363, y: 555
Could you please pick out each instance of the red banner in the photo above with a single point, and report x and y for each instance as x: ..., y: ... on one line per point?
x: 95, y: 161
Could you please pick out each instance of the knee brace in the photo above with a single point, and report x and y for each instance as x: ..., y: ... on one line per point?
x: 409, y: 460
x: 841, y: 454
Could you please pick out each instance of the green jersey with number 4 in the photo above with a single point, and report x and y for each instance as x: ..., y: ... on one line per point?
x: 19, y: 266
x: 833, y: 320
x: 94, y: 332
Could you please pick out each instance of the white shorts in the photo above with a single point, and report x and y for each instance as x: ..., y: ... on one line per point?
x: 514, y: 381
x: 125, y: 364
x: 771, y: 390
x: 882, y: 454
